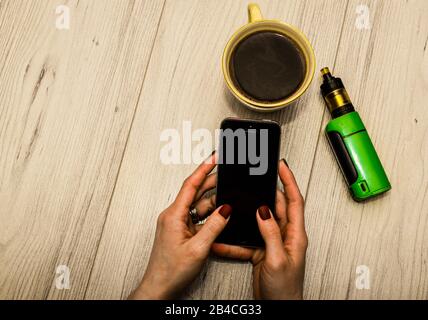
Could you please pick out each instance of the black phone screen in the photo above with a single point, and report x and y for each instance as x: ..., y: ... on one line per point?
x: 247, y: 176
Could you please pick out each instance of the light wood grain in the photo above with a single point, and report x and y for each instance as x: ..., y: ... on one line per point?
x: 81, y: 113
x: 68, y: 98
x: 385, y: 70
x: 184, y: 82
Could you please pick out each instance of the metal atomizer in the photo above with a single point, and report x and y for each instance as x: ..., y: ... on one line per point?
x: 351, y: 143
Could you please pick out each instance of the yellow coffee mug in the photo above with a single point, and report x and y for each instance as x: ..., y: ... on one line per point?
x: 258, y: 24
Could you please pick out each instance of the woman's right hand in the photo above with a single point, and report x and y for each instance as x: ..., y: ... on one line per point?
x: 279, y: 268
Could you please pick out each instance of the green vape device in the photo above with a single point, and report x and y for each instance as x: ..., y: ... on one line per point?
x: 351, y: 143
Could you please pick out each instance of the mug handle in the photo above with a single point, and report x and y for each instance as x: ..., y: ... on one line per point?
x: 254, y: 13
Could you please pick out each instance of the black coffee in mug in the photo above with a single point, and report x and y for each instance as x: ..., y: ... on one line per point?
x: 267, y: 66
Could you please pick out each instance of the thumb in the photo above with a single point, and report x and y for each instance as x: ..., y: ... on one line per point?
x: 270, y: 232
x: 213, y: 226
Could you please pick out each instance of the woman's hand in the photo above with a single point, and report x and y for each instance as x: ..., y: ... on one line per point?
x: 179, y: 252
x: 279, y: 269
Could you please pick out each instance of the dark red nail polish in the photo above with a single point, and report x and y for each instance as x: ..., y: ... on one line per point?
x: 210, y: 159
x: 285, y: 162
x: 225, y: 211
x: 264, y: 212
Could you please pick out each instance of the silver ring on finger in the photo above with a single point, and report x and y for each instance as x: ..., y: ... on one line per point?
x: 193, y: 212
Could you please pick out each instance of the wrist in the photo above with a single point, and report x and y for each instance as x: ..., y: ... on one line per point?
x: 294, y: 295
x: 146, y: 291
x: 151, y: 288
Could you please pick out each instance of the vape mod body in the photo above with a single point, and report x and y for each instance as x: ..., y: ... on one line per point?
x: 351, y: 143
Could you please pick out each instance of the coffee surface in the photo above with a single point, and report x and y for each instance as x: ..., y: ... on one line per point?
x: 267, y: 66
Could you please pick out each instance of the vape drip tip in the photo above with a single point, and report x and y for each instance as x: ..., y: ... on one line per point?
x: 335, y: 95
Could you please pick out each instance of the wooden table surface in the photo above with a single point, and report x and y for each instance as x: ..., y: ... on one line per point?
x: 82, y: 110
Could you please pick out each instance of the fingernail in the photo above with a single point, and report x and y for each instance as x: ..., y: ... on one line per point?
x: 225, y: 211
x: 285, y: 162
x: 264, y: 212
x: 210, y: 159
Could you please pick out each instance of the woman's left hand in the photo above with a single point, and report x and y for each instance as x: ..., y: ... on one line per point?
x: 179, y: 250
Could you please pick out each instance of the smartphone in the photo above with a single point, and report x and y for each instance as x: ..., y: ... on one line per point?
x: 247, y: 176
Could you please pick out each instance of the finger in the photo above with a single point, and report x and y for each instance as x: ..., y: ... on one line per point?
x: 209, y: 183
x: 205, y: 206
x: 212, y: 228
x: 194, y: 228
x: 232, y: 252
x: 270, y: 232
x: 296, y: 240
x: 294, y: 199
x: 190, y: 187
x: 280, y: 209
